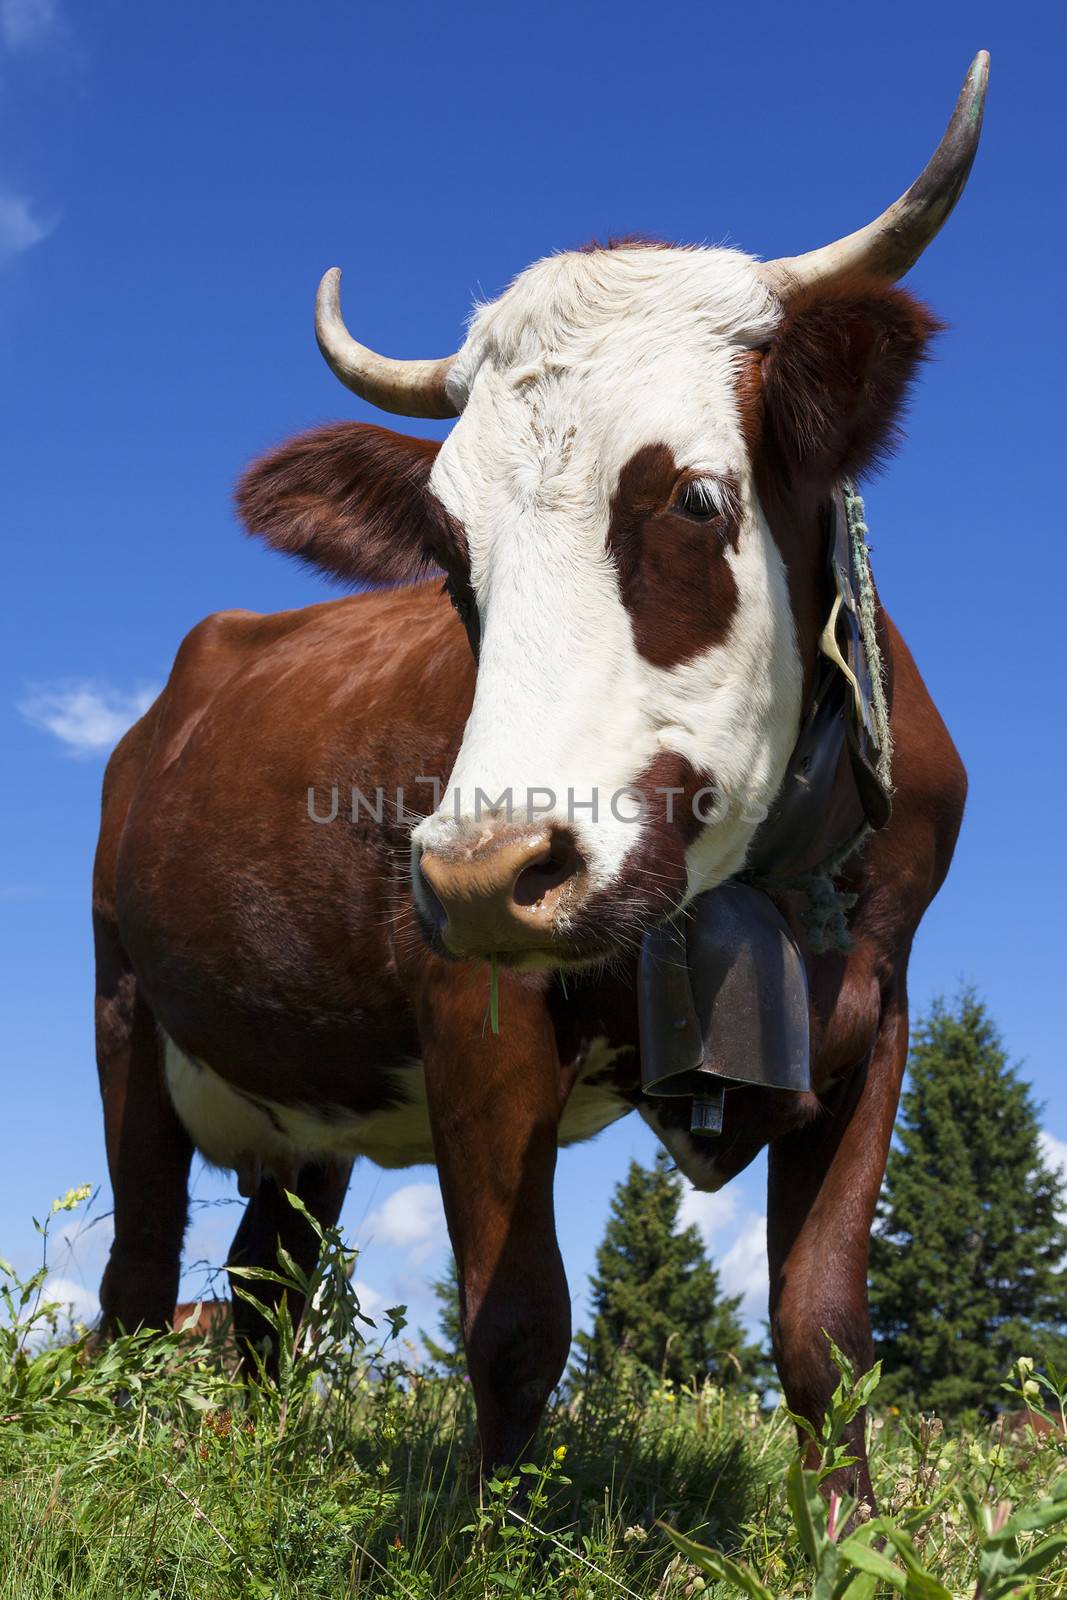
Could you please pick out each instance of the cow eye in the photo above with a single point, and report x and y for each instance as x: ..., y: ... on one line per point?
x: 694, y: 501
x: 463, y: 605
x: 460, y: 602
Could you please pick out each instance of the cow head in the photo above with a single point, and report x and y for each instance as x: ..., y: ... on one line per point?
x: 626, y: 512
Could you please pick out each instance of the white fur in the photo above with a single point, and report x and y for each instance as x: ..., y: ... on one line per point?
x: 591, y: 1106
x: 582, y: 362
x: 693, y: 1156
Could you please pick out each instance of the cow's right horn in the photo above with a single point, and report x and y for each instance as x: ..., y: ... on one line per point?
x: 893, y: 242
x: 409, y: 388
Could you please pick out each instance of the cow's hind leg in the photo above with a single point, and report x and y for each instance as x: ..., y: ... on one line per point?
x: 271, y: 1221
x: 148, y: 1149
x: 823, y: 1186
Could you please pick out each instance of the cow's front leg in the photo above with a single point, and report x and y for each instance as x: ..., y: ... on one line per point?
x: 494, y: 1106
x: 823, y: 1186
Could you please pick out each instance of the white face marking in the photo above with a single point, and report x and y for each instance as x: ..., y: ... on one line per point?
x: 584, y: 361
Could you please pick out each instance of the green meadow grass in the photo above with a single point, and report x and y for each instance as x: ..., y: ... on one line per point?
x: 148, y: 1470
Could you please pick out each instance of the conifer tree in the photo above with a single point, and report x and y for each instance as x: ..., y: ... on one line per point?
x: 655, y: 1296
x: 968, y: 1254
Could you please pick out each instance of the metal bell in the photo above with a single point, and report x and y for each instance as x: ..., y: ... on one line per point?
x: 722, y: 1000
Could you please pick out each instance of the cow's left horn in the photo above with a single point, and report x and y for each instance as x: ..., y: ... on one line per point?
x: 887, y: 247
x: 410, y: 388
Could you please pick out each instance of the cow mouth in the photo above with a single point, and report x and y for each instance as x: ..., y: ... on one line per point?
x: 589, y: 944
x: 553, y: 955
x: 556, y: 957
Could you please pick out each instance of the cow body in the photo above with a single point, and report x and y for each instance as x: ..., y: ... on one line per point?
x: 332, y: 820
x: 294, y: 999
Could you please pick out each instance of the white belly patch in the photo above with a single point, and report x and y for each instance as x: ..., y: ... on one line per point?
x: 593, y: 1102
x: 245, y: 1131
x: 251, y: 1134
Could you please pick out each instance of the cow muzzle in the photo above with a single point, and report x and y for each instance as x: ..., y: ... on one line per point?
x: 501, y: 895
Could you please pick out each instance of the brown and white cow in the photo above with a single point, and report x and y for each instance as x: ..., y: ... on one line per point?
x: 629, y: 514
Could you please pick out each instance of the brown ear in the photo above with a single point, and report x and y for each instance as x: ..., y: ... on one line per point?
x: 836, y: 377
x: 350, y: 498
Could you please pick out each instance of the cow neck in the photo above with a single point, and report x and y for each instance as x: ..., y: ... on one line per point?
x: 848, y: 711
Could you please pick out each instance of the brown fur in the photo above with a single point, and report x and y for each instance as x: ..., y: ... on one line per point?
x: 206, y: 1319
x: 837, y: 374
x: 653, y: 880
x: 349, y: 498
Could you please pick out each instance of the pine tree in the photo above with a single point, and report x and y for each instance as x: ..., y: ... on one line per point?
x: 967, y: 1259
x: 655, y: 1295
x: 446, y: 1351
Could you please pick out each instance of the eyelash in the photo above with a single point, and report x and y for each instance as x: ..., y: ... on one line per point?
x: 694, y: 501
x: 462, y: 603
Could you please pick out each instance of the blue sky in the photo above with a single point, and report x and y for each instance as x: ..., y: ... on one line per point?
x: 173, y: 181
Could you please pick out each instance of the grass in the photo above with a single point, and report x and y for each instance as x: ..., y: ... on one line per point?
x: 146, y: 1470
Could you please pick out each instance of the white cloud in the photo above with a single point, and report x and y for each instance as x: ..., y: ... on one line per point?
x: 412, y: 1220
x: 1053, y: 1152
x: 709, y: 1212
x: 25, y: 25
x: 736, y: 1242
x: 79, y: 1301
x: 1054, y: 1155
x: 28, y: 24
x: 20, y: 225
x: 743, y: 1269
x: 77, y: 1252
x: 371, y: 1300
x: 87, y: 718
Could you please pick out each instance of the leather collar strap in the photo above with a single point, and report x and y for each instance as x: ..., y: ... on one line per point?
x: 848, y: 708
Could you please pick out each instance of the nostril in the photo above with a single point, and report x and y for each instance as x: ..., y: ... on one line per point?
x: 429, y: 901
x: 559, y: 861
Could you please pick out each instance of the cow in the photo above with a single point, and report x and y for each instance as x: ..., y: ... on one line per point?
x: 321, y: 930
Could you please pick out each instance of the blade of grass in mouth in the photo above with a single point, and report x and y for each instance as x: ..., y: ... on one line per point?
x: 494, y: 995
